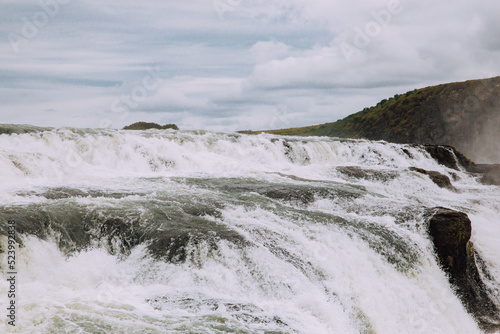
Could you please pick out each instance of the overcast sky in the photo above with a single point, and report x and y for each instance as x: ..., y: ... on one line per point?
x: 230, y: 65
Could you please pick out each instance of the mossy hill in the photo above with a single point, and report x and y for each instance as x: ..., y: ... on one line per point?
x: 147, y: 126
x: 9, y: 129
x: 465, y: 115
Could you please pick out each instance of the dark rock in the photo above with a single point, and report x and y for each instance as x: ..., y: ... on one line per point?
x: 441, y: 180
x: 443, y: 155
x: 147, y: 126
x: 450, y: 232
x: 448, y: 156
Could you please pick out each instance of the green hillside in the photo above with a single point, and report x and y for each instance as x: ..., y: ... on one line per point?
x: 461, y: 114
x: 396, y: 117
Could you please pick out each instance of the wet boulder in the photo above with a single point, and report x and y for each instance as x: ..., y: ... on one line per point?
x: 439, y: 179
x: 450, y: 233
x: 448, y: 156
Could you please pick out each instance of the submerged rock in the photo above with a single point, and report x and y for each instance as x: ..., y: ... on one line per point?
x: 307, y: 194
x: 439, y: 179
x: 357, y: 172
x: 450, y: 232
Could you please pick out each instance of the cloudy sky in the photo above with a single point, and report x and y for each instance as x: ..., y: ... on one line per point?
x: 230, y: 65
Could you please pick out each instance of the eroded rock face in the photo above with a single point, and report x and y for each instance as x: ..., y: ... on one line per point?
x: 448, y: 156
x: 450, y: 232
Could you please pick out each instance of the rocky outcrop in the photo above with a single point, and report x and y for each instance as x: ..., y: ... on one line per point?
x: 450, y: 232
x: 448, y: 156
x: 147, y: 126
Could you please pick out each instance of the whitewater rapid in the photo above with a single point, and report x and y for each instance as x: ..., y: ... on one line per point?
x: 201, y: 232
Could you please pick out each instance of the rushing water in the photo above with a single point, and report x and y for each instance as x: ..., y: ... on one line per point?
x: 200, y: 232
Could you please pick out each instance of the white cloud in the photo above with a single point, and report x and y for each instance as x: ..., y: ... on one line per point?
x: 264, y: 51
x: 261, y: 64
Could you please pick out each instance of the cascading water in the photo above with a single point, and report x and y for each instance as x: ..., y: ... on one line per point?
x: 200, y: 232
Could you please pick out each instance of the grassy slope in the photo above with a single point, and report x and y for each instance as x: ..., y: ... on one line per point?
x: 393, y: 119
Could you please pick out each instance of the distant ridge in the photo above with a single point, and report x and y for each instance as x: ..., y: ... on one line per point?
x: 20, y: 128
x: 465, y: 115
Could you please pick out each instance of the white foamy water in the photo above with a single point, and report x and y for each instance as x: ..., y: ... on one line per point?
x: 200, y: 232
